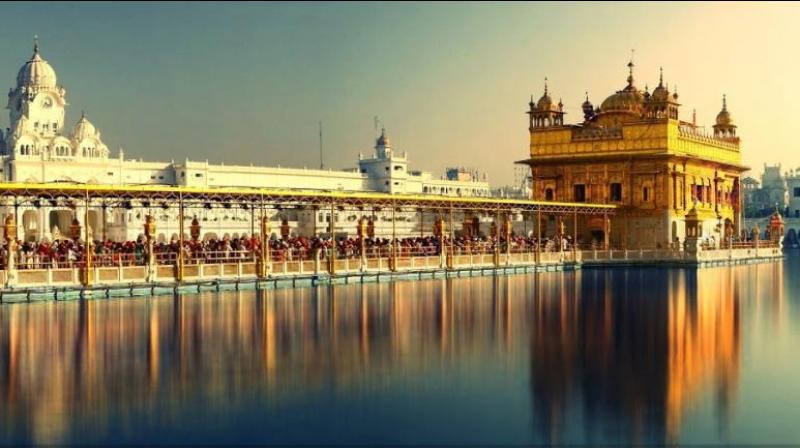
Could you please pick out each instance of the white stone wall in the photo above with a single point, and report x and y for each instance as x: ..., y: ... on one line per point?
x: 38, y: 150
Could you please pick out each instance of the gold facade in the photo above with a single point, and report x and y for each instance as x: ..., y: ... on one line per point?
x: 635, y: 152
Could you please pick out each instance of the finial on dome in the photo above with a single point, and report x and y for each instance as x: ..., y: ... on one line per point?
x: 724, y: 102
x: 383, y: 140
x: 545, y: 85
x: 660, y: 76
x: 630, y: 70
x: 35, y: 44
x: 587, y: 95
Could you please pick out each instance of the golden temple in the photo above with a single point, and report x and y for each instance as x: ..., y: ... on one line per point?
x: 634, y: 151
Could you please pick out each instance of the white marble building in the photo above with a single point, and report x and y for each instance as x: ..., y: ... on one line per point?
x: 36, y: 147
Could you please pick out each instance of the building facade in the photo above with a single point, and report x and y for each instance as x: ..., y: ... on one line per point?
x: 635, y: 151
x: 761, y: 198
x: 777, y: 190
x: 37, y: 147
x: 793, y: 194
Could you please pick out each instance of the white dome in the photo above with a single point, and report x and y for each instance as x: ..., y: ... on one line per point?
x: 84, y: 129
x: 36, y: 72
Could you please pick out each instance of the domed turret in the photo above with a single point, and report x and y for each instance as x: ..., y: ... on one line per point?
x: 724, y: 126
x: 545, y: 103
x: 545, y: 112
x: 86, y: 140
x: 724, y: 117
x: 586, y: 103
x: 84, y: 129
x: 661, y: 93
x: 36, y: 72
x: 588, y: 109
x: 661, y: 104
x: 383, y: 140
x: 383, y: 146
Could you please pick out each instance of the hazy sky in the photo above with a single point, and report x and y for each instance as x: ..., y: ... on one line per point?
x: 247, y: 83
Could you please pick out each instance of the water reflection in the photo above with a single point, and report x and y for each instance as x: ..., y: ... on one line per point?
x: 627, y: 357
x: 617, y: 355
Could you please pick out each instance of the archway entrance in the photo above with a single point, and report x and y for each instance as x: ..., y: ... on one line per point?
x: 30, y: 225
x: 58, y: 224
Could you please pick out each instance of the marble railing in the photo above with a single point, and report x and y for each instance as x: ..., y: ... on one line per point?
x: 111, y: 276
x: 248, y: 270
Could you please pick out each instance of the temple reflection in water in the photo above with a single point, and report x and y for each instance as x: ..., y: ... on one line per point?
x: 621, y: 354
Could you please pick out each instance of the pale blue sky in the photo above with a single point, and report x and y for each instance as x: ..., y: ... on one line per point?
x: 242, y: 83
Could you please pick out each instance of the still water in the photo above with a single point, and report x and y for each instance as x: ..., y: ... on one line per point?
x: 600, y: 356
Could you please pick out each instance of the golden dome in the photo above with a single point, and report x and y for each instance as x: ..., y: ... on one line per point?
x: 724, y: 117
x: 623, y: 101
x: 629, y: 99
x: 587, y: 103
x: 545, y: 103
x: 661, y: 93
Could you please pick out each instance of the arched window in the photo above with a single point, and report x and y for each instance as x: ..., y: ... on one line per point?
x: 548, y: 194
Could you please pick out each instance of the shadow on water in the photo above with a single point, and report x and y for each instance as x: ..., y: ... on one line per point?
x: 617, y: 355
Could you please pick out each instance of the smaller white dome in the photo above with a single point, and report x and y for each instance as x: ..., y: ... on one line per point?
x: 84, y: 129
x: 36, y: 72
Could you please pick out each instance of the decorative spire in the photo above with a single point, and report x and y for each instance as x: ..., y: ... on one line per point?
x: 588, y: 109
x: 660, y: 76
x: 630, y: 71
x: 694, y: 117
x: 35, y: 44
x: 724, y: 103
x: 545, y: 86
